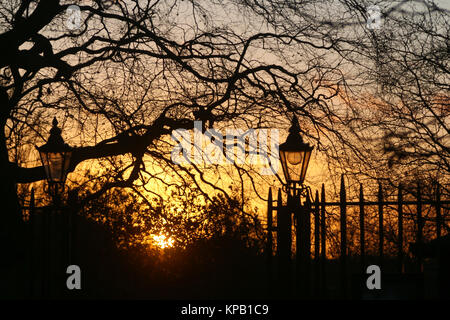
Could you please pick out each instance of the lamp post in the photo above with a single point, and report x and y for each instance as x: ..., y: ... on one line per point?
x: 294, y: 157
x: 55, y: 156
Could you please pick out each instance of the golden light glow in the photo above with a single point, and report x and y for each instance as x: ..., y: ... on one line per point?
x: 163, y: 241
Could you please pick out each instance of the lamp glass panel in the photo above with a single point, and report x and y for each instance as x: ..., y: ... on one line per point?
x: 56, y: 165
x: 44, y: 160
x: 284, y: 165
x: 67, y: 158
x: 294, y: 158
x: 292, y: 162
x: 305, y: 164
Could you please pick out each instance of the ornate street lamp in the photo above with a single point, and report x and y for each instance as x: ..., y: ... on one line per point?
x: 294, y: 156
x: 55, y: 157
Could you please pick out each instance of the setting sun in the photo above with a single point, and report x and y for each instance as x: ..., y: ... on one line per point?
x: 162, y: 241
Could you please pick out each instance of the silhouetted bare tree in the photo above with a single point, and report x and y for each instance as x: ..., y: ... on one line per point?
x: 134, y: 71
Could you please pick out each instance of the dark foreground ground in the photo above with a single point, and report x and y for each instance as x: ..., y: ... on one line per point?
x: 217, y: 269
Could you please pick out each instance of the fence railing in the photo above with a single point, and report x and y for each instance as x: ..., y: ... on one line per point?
x: 50, y: 237
x: 295, y: 219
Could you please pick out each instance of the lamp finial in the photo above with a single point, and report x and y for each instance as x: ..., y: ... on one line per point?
x: 295, y: 127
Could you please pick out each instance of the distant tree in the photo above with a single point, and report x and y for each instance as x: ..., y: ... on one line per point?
x: 185, y: 220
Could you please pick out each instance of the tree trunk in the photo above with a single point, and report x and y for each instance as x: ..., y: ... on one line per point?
x: 13, y: 238
x: 10, y: 207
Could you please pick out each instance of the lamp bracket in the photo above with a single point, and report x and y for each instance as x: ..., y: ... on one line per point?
x: 297, y: 189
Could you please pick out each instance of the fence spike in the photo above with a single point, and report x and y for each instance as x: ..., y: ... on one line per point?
x: 438, y: 211
x: 323, y: 224
x: 269, y: 248
x: 307, y: 239
x: 323, y: 275
x: 269, y: 222
x: 269, y: 209
x: 279, y: 210
x: 361, y: 226
x: 419, y: 214
x: 316, y: 244
x: 343, y: 223
x: 419, y: 224
x: 342, y: 191
x: 316, y: 227
x: 400, y: 226
x: 279, y: 200
x: 308, y: 197
x: 308, y: 226
x: 380, y: 223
